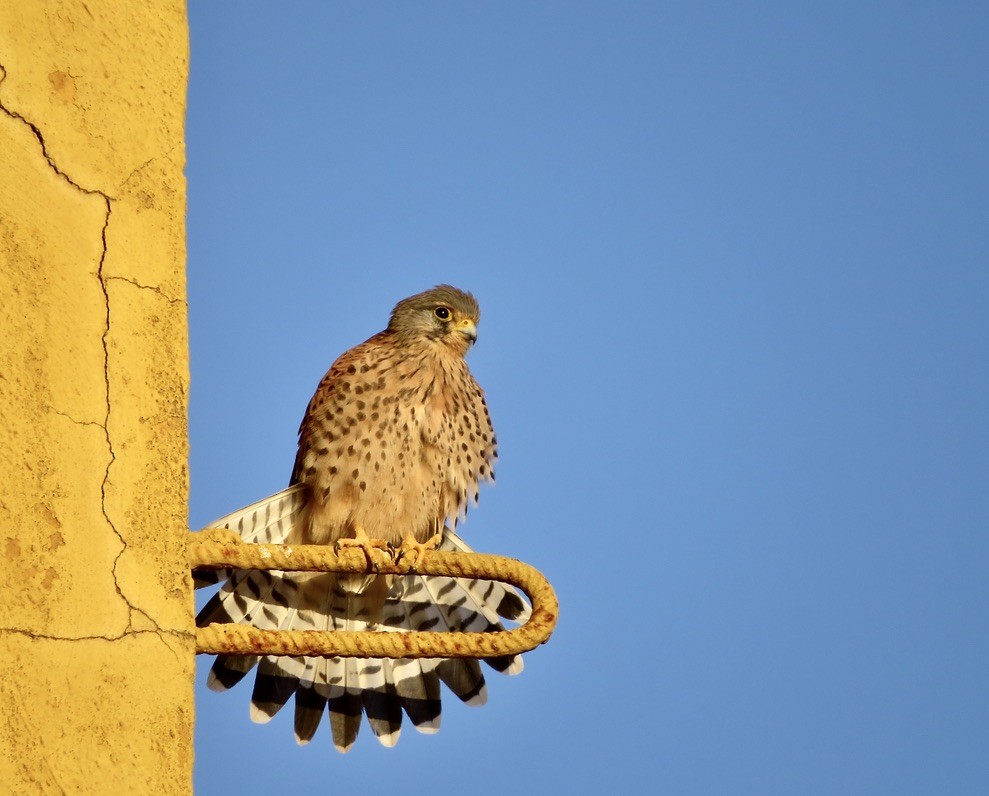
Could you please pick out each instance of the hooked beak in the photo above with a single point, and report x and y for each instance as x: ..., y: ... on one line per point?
x: 468, y: 329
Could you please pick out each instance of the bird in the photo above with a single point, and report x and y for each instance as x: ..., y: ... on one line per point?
x: 393, y: 447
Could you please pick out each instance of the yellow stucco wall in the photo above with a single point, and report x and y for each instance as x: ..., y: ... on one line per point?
x: 96, y: 631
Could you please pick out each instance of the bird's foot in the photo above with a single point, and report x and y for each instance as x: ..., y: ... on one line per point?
x: 376, y: 551
x: 411, y: 550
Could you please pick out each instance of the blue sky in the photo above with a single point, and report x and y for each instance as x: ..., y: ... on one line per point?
x: 733, y: 262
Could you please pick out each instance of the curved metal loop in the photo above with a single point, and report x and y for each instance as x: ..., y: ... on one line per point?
x: 220, y: 549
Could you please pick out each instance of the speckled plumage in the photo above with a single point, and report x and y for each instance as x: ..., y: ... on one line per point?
x: 394, y: 442
x: 398, y: 437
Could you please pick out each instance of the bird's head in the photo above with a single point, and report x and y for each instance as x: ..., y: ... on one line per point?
x: 444, y: 315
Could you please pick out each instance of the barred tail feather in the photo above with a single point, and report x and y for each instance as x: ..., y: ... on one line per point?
x: 349, y: 688
x: 418, y: 688
x: 269, y: 521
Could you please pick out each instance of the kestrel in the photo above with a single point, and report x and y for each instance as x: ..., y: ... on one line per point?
x: 392, y: 449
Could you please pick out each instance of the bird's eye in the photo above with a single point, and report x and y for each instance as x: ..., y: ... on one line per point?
x: 443, y: 313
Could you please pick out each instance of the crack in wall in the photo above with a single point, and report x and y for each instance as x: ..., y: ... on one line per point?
x: 41, y: 141
x: 147, y: 163
x: 132, y: 609
x: 161, y: 633
x: 152, y: 288
x: 71, y: 419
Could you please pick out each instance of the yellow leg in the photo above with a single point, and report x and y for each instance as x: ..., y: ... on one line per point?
x: 376, y: 551
x: 412, y: 550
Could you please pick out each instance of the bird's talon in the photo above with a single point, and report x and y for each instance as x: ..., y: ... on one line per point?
x: 376, y: 551
x: 412, y: 550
